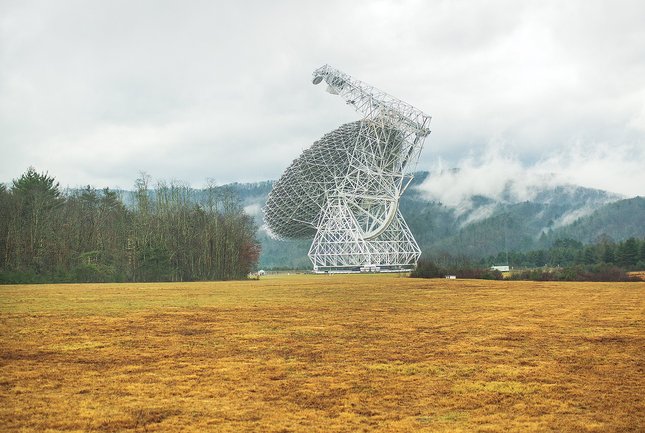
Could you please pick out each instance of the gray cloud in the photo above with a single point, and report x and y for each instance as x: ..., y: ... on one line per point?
x: 94, y: 92
x: 500, y: 176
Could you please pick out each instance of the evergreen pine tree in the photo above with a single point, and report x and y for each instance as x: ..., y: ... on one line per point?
x: 589, y: 258
x: 628, y: 252
x: 608, y: 254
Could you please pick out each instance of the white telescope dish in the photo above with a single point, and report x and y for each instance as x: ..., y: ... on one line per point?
x: 344, y: 190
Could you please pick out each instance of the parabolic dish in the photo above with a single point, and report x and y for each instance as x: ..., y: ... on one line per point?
x: 344, y: 191
x: 294, y: 205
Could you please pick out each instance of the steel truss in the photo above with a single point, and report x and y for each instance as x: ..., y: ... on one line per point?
x: 345, y: 190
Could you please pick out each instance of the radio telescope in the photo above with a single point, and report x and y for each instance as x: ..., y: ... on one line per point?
x: 344, y: 190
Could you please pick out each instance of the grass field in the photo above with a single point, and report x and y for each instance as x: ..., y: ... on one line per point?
x: 323, y: 354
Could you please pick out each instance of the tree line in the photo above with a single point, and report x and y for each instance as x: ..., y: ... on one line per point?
x: 628, y: 254
x: 566, y: 260
x: 427, y: 268
x: 89, y: 235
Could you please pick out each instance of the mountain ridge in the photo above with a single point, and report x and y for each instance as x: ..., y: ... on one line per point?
x: 480, y: 226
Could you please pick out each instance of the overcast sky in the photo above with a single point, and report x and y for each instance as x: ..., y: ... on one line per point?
x: 96, y: 91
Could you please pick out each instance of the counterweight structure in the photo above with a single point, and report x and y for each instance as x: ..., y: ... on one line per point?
x: 344, y: 190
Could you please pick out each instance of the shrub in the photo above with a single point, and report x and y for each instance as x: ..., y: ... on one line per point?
x: 428, y: 269
x: 94, y: 273
x: 598, y: 272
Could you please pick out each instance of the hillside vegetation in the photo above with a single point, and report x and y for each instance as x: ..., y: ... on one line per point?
x: 628, y: 254
x: 478, y: 228
x: 482, y: 226
x: 90, y: 235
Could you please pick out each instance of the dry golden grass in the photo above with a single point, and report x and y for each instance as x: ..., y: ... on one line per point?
x: 323, y: 354
x: 638, y: 274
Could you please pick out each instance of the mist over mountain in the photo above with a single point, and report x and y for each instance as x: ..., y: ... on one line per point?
x: 473, y: 221
x: 517, y: 216
x: 617, y: 221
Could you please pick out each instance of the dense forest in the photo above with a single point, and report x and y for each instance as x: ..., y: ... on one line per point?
x: 89, y: 235
x: 566, y: 260
x: 482, y: 226
x: 628, y: 254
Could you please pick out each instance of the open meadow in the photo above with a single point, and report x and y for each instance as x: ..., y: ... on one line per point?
x: 311, y: 353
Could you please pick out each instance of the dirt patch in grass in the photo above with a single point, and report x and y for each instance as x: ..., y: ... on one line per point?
x: 323, y: 354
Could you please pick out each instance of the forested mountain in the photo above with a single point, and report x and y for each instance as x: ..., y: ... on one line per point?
x: 616, y: 221
x: 478, y: 228
x: 533, y: 225
x: 484, y: 226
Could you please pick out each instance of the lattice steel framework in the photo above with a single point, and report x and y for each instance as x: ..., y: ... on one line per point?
x: 344, y: 190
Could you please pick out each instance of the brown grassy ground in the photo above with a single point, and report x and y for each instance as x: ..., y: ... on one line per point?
x: 638, y: 274
x: 323, y: 354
